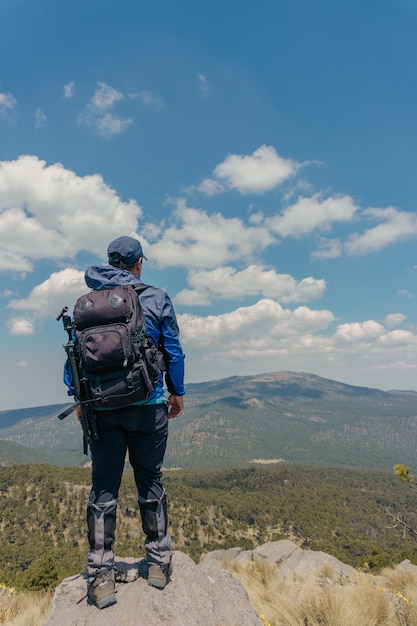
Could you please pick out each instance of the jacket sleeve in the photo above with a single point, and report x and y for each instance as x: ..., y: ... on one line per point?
x: 174, y: 356
x: 68, y: 380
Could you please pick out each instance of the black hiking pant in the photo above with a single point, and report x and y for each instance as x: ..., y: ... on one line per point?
x: 140, y: 431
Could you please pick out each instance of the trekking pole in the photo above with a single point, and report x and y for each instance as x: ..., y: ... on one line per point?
x: 88, y: 418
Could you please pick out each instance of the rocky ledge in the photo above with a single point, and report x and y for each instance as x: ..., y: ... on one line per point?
x: 203, y: 594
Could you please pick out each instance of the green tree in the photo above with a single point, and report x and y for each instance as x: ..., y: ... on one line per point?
x: 404, y: 474
x: 41, y: 574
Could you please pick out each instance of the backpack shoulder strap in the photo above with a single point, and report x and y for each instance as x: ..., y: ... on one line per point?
x: 138, y: 287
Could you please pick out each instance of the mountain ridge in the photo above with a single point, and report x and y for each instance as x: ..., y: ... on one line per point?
x: 296, y: 416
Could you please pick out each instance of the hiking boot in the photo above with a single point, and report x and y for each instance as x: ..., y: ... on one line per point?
x: 102, y: 590
x: 159, y: 576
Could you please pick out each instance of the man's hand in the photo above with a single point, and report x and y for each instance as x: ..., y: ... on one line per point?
x: 175, y: 406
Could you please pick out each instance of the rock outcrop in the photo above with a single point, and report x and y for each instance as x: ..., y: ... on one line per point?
x: 289, y: 558
x: 195, y: 595
x: 203, y: 594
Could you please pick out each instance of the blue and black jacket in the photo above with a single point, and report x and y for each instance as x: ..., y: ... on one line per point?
x: 161, y: 325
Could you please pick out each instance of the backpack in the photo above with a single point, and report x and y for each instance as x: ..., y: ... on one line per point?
x: 116, y: 358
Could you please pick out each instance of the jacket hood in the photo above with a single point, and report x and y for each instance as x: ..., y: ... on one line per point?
x: 106, y: 277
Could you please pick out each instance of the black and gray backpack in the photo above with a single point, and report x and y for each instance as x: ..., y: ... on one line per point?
x: 116, y: 357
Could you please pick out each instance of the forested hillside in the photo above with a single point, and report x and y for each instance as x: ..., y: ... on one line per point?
x: 343, y: 512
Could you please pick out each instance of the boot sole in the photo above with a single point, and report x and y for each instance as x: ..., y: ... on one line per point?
x: 106, y: 602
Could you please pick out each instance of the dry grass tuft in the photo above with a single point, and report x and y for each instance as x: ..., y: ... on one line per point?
x: 24, y: 608
x: 326, y: 599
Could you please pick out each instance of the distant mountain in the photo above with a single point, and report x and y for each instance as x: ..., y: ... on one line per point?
x: 297, y: 417
x: 291, y: 416
x: 45, y: 438
x: 9, y: 418
x: 14, y: 454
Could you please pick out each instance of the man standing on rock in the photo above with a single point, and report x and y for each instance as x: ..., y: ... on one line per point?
x: 141, y: 429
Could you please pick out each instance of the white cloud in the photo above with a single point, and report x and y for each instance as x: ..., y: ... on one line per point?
x: 69, y: 90
x: 192, y: 297
x: 22, y: 364
x: 397, y: 338
x: 98, y: 112
x: 397, y: 366
x: 259, y: 172
x: 14, y: 259
x: 48, y: 299
x: 7, y: 103
x: 259, y: 338
x: 301, y: 185
x: 256, y: 218
x: 109, y: 125
x: 228, y: 283
x: 359, y: 331
x: 147, y: 97
x: 20, y: 326
x: 105, y: 97
x: 394, y: 319
x: 40, y: 118
x: 26, y: 235
x: 260, y: 327
x: 210, y: 187
x: 307, y: 214
x: 201, y: 240
x: 267, y: 337
x: 396, y: 226
x: 328, y: 249
x: 312, y: 213
x: 203, y: 84
x: 404, y: 293
x: 265, y: 169
x: 50, y: 212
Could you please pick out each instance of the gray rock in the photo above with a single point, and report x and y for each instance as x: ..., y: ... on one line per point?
x: 276, y: 551
x: 291, y: 559
x: 216, y: 558
x: 197, y: 594
x: 407, y: 565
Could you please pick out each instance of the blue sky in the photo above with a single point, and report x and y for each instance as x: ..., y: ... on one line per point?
x: 264, y: 154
